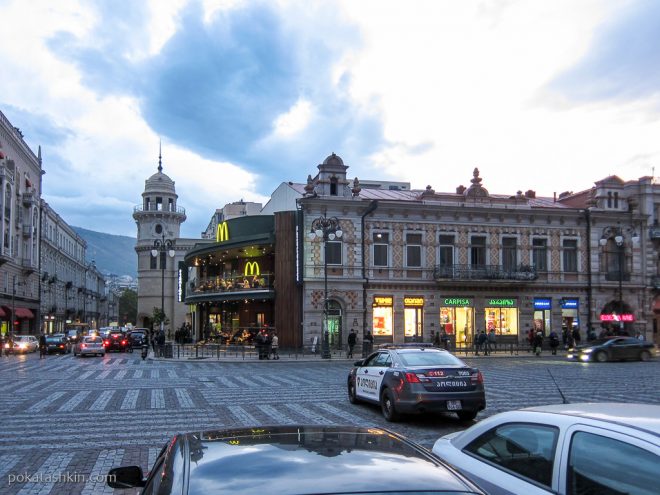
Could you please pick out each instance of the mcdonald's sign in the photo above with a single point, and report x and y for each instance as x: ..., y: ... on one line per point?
x: 252, y: 268
x: 222, y: 234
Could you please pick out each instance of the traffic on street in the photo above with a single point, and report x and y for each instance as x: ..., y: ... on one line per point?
x: 86, y: 416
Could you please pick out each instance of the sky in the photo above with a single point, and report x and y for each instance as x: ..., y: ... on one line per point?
x: 548, y: 95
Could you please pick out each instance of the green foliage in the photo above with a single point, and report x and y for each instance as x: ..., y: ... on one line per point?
x: 159, y: 317
x: 128, y: 307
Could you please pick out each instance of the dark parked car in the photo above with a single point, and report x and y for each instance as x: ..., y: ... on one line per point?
x: 613, y: 349
x: 417, y: 379
x: 116, y: 341
x: 57, y: 343
x: 294, y: 460
x: 137, y: 337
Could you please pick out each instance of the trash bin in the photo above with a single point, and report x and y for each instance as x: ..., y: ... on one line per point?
x: 168, y: 350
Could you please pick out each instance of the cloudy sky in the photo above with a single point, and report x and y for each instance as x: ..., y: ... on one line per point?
x: 545, y: 95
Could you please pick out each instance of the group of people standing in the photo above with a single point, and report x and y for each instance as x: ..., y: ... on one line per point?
x: 267, y: 344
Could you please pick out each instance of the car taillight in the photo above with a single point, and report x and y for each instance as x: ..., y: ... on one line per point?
x: 477, y: 377
x: 106, y: 342
x: 84, y: 346
x: 61, y: 345
x: 123, y: 342
x: 412, y: 378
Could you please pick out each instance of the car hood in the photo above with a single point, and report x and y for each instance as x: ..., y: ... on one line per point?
x: 313, y: 459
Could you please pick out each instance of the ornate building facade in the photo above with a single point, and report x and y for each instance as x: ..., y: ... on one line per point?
x: 411, y: 263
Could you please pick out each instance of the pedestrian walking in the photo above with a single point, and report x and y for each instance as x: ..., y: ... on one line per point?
x: 42, y: 346
x: 538, y: 343
x: 368, y: 344
x: 576, y: 336
x: 482, y: 340
x: 274, y: 346
x: 554, y: 342
x: 530, y: 339
x: 160, y: 341
x: 492, y: 340
x: 352, y: 340
x: 260, y: 343
x: 436, y: 340
x: 444, y: 339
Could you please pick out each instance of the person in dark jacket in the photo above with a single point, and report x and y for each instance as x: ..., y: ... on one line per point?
x: 538, y: 343
x: 352, y: 340
x: 260, y: 343
x: 42, y: 346
x: 554, y: 342
x: 368, y: 344
x: 482, y: 340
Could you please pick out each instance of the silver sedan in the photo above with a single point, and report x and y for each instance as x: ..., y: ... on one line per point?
x: 89, y: 346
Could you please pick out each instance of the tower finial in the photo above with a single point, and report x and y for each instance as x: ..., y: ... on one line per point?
x: 160, y: 157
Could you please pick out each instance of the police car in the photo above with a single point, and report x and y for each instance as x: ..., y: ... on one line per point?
x: 417, y: 379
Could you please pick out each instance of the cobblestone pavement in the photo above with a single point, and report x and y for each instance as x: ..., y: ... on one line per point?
x: 66, y: 421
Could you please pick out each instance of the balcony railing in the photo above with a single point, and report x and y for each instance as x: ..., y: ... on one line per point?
x: 484, y: 272
x: 28, y: 198
x: 233, y: 284
x: 163, y: 208
x: 613, y: 276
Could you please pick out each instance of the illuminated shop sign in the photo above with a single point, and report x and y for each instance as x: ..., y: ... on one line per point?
x: 382, y: 301
x: 500, y: 302
x: 222, y: 234
x: 615, y: 317
x: 180, y: 286
x: 569, y: 303
x: 413, y: 301
x: 251, y: 268
x: 457, y: 301
x: 542, y: 303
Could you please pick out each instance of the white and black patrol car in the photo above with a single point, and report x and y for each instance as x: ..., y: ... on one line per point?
x: 417, y: 379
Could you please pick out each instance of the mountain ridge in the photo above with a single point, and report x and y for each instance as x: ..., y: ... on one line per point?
x: 112, y: 254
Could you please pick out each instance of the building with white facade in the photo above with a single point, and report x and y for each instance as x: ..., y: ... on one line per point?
x: 20, y: 181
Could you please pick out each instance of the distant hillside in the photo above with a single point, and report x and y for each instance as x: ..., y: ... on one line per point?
x: 113, y: 254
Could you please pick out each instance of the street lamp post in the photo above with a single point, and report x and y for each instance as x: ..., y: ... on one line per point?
x: 325, y: 229
x: 616, y: 233
x: 162, y: 248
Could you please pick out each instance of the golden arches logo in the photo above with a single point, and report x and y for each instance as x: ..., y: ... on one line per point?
x: 222, y: 234
x: 252, y: 268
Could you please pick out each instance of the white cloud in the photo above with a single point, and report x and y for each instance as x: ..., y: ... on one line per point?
x: 295, y: 120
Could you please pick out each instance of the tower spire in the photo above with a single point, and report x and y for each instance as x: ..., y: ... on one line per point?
x: 160, y: 157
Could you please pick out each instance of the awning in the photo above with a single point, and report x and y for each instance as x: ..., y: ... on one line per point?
x: 24, y: 313
x: 2, y: 313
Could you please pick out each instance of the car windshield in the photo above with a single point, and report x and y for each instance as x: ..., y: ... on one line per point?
x: 601, y: 341
x: 53, y: 339
x: 93, y: 340
x: 22, y: 338
x: 429, y: 358
x: 72, y: 333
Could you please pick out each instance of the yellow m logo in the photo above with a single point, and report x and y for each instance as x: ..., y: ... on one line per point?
x: 222, y: 234
x: 251, y: 268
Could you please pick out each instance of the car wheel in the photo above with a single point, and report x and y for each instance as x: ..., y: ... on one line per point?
x: 601, y: 357
x: 387, y: 406
x: 352, y: 397
x: 644, y: 356
x: 467, y: 415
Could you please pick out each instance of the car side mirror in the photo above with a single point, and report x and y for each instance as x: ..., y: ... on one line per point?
x: 126, y: 477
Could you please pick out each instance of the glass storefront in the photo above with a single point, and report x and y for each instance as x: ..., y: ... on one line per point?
x: 501, y: 315
x: 334, y: 324
x: 569, y: 314
x: 542, y: 310
x: 457, y: 319
x: 412, y: 318
x: 383, y: 318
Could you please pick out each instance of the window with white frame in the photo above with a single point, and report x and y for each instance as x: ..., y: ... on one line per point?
x: 569, y: 255
x: 478, y: 250
x: 333, y: 252
x: 381, y: 244
x: 414, y: 250
x: 446, y: 250
x: 540, y: 254
x: 509, y: 253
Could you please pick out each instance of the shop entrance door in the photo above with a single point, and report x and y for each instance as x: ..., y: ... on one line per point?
x: 412, y: 324
x: 334, y: 324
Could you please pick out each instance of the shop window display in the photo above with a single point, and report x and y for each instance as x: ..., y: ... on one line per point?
x: 503, y: 320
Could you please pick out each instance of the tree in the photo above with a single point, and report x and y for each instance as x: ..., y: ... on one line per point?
x: 127, y: 307
x: 159, y: 317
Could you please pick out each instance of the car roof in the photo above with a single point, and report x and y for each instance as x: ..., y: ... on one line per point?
x: 305, y: 459
x: 644, y: 417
